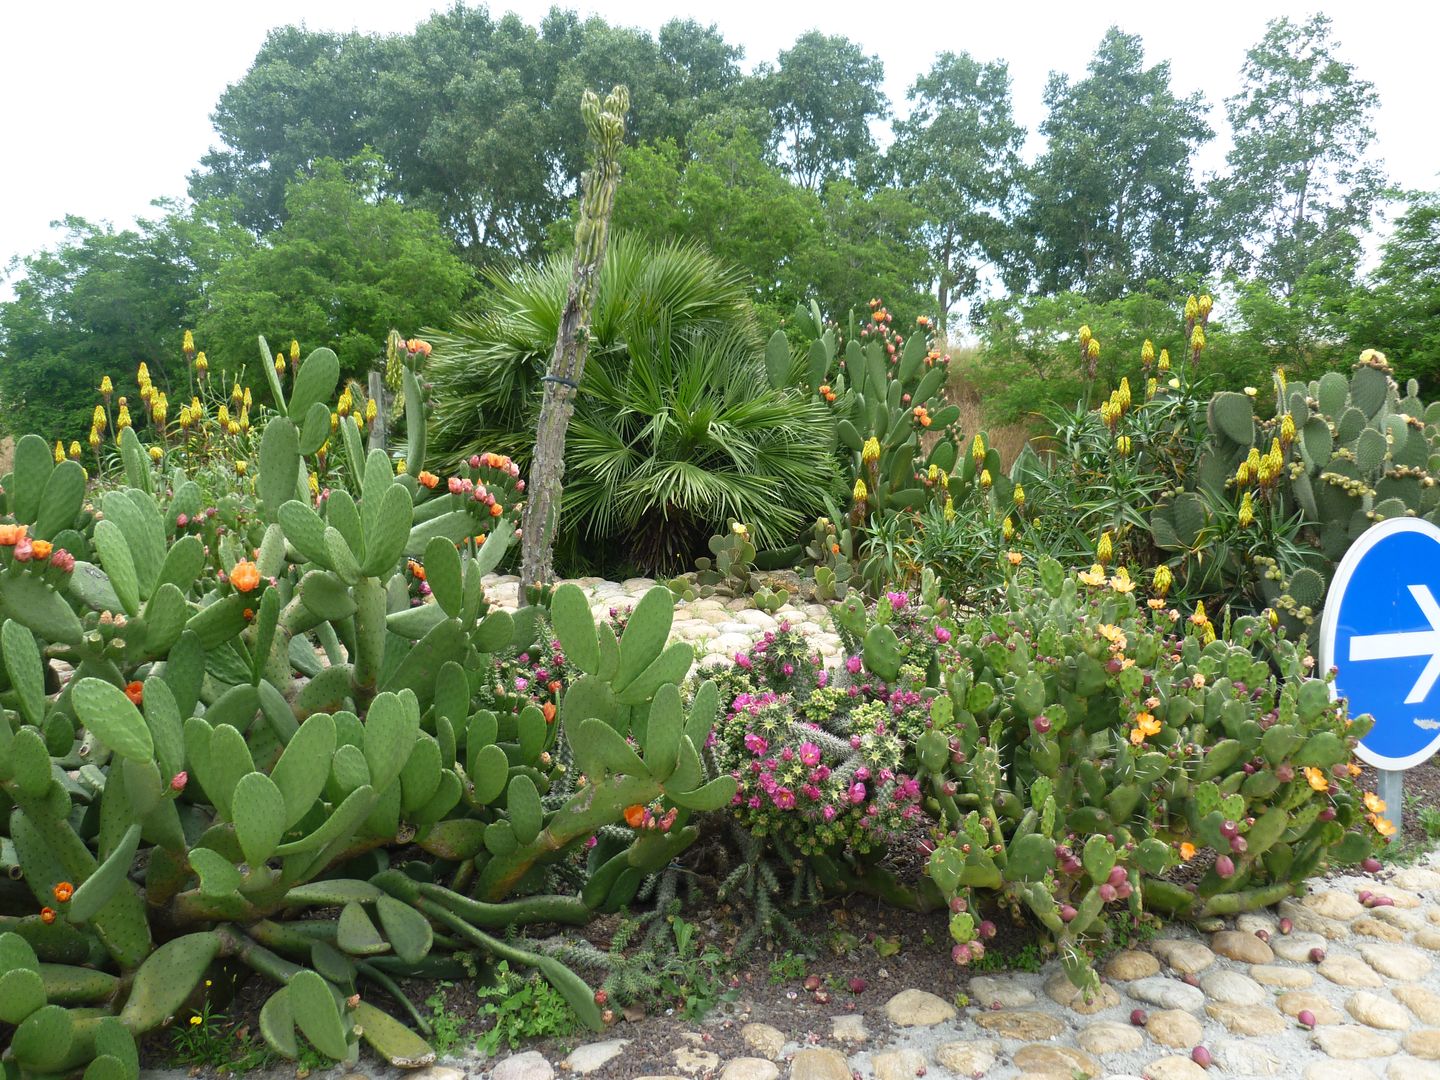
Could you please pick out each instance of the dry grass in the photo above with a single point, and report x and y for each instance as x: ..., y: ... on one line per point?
x: 7, y: 454
x: 1006, y: 439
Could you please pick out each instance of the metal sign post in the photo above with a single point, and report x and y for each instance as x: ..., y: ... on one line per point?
x: 1381, y: 635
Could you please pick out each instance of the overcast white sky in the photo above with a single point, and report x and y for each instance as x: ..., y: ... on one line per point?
x: 106, y: 105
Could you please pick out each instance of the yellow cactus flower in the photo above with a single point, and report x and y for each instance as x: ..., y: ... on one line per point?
x: 1105, y: 549
x: 74, y: 449
x: 1374, y: 803
x: 1094, y: 577
x: 1246, y: 517
x: 1199, y: 618
x: 1020, y: 495
x: 1317, y: 780
x: 1384, y: 826
x: 1164, y: 364
x: 860, y: 493
x: 156, y: 453
x: 1147, y: 353
x: 188, y: 345
x: 1162, y: 580
x: 59, y: 451
x: 1014, y: 558
x: 1121, y: 582
x: 977, y: 451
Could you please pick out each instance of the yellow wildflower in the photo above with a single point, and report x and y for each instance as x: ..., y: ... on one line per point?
x: 1122, y: 445
x: 860, y: 493
x: 1163, y: 580
x: 1007, y: 530
x: 977, y: 451
x: 949, y: 508
x: 1246, y: 516
x: 156, y: 453
x: 1105, y: 550
x: 202, y: 365
x: 74, y: 448
x: 1147, y: 353
x: 294, y: 350
x: 1164, y: 364
x: 985, y: 480
x: 1085, y: 336
x: 1020, y: 496
x: 1192, y: 307
x: 59, y: 451
x: 122, y: 421
x: 188, y: 344
x: 98, y: 420
x: 871, y: 450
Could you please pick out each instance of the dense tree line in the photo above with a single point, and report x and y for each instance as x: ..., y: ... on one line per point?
x: 362, y: 181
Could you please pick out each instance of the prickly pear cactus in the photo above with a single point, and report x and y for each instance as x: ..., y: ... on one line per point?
x: 258, y: 711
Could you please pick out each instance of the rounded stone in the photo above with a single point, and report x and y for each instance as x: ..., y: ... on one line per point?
x: 1247, y: 1020
x: 988, y: 990
x: 1371, y: 927
x: 1296, y: 947
x: 1351, y: 1043
x: 1232, y: 988
x: 1174, y: 1027
x: 752, y: 1068
x: 1107, y: 1037
x: 1021, y: 1024
x: 1249, y: 921
x: 1297, y: 1001
x: 1085, y: 1002
x: 765, y: 1040
x: 1131, y: 964
x: 1429, y: 938
x: 1402, y: 918
x: 848, y: 1028
x: 1278, y: 975
x: 812, y: 1064
x: 918, y: 1008
x: 530, y: 1065
x: 968, y: 1058
x: 1423, y: 1044
x: 898, y: 1064
x: 1174, y: 1068
x: 1167, y: 993
x: 1308, y: 922
x: 1040, y: 1058
x: 1409, y: 1069
x: 1186, y: 957
x: 1334, y: 905
x: 1425, y: 1004
x: 1246, y: 948
x: 436, y: 1072
x: 1378, y: 1012
x: 588, y: 1058
x: 1401, y: 962
x: 1350, y: 971
x: 1247, y: 1057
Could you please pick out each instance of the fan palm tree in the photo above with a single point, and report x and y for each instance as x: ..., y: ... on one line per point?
x: 676, y: 430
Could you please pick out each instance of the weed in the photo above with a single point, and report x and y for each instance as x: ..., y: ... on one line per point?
x: 209, y: 1040
x: 788, y: 967
x: 1429, y: 817
x: 447, y: 1027
x: 521, y: 1008
x: 1026, y: 958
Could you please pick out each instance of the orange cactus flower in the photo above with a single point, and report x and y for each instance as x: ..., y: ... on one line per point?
x: 416, y: 570
x: 834, y: 549
x: 549, y: 710
x: 245, y: 576
x: 1187, y: 851
x: 496, y: 509
x: 553, y: 686
x: 135, y: 691
x: 635, y: 816
x: 1374, y: 803
x: 428, y: 479
x: 1316, y: 779
x: 248, y: 614
x: 41, y: 549
x: 10, y: 535
x: 1384, y: 826
x: 47, y: 915
x: 64, y: 891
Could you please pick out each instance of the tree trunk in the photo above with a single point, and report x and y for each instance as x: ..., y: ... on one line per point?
x: 605, y: 124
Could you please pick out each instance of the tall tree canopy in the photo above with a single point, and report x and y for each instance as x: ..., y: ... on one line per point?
x: 1300, y: 183
x: 957, y: 155
x: 1113, y: 201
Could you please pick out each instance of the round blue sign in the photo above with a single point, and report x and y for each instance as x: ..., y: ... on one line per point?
x: 1381, y: 632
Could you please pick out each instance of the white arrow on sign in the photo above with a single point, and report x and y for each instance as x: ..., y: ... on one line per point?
x: 1408, y: 643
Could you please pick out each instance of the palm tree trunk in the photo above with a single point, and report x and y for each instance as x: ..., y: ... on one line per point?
x: 605, y: 124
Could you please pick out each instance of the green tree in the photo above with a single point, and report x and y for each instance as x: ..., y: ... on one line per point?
x: 348, y: 264
x: 1398, y: 311
x: 1300, y: 186
x: 823, y: 95
x: 1113, y: 201
x: 99, y: 303
x: 957, y: 156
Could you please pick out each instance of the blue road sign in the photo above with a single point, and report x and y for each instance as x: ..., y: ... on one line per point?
x: 1381, y: 631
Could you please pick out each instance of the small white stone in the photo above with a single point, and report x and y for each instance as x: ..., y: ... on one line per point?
x: 1167, y: 993
x: 588, y: 1058
x: 530, y: 1065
